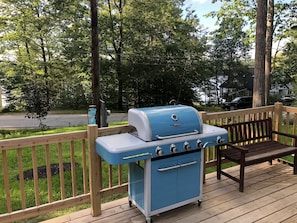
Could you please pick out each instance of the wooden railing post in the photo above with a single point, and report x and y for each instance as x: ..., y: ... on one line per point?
x: 94, y: 171
x: 203, y: 116
x: 278, y: 109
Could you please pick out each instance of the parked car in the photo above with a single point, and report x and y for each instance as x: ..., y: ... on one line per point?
x: 287, y: 100
x: 238, y: 103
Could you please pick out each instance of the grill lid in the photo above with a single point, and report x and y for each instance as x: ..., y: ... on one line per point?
x: 155, y: 123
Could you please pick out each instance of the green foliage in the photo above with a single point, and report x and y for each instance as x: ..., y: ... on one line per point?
x: 37, y: 73
x: 159, y: 50
x: 231, y: 45
x: 286, y: 69
x: 150, y: 51
x: 240, y: 15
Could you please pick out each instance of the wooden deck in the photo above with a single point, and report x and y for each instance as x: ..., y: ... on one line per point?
x: 270, y: 196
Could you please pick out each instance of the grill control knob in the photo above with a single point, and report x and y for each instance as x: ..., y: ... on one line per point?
x: 173, y: 148
x: 159, y: 151
x: 187, y: 146
x: 199, y: 144
x: 220, y: 140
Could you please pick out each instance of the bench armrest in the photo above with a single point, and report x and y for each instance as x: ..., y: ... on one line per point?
x: 239, y: 148
x: 285, y: 134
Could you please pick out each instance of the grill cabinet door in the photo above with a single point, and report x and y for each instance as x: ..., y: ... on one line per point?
x: 175, y: 179
x: 189, y: 178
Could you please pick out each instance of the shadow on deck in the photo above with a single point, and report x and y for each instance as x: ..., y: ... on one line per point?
x: 270, y: 196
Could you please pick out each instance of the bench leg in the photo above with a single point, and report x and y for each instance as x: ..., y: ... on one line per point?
x: 219, y: 163
x: 295, y: 164
x: 241, y: 178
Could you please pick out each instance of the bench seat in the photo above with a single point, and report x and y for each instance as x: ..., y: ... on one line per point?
x: 260, y: 152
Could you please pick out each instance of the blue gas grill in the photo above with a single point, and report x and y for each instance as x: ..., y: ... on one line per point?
x: 170, y: 140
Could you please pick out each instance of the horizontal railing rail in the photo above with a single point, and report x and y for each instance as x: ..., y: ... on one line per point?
x: 32, y: 183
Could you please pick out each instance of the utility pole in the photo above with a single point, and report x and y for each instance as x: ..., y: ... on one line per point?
x: 95, y: 59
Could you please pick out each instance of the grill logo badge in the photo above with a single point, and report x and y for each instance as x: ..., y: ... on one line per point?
x: 174, y: 117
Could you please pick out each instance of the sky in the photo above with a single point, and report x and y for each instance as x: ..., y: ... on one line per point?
x: 203, y: 7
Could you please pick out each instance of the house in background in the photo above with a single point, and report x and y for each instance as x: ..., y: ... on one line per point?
x: 243, y: 86
x: 238, y: 85
x: 210, y: 92
x: 3, y: 102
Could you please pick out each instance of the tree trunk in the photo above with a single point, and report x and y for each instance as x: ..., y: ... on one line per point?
x: 259, y: 71
x: 269, y: 37
x: 45, y: 72
x: 119, y: 57
x: 117, y: 38
x: 120, y: 81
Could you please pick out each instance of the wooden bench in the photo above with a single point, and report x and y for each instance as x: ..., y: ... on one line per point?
x: 251, y: 143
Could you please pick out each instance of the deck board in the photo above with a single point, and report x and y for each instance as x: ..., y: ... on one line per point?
x: 270, y: 196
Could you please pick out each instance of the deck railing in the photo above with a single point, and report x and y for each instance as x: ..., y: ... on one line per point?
x: 29, y: 167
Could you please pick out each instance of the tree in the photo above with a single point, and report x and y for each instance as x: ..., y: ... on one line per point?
x: 157, y: 49
x: 277, y: 20
x: 259, y: 71
x: 111, y: 23
x: 276, y: 29
x: 50, y: 50
x: 74, y: 40
x: 287, y: 62
x: 268, y: 51
x: 34, y: 60
x: 230, y: 48
x: 163, y: 65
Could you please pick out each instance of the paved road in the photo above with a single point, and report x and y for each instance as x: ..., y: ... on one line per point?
x: 53, y: 120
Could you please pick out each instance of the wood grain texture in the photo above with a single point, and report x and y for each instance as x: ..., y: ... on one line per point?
x: 270, y: 196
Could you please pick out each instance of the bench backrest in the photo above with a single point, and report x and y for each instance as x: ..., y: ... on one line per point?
x: 249, y: 131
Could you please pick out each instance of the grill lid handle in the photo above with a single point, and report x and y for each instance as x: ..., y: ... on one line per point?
x: 177, y: 135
